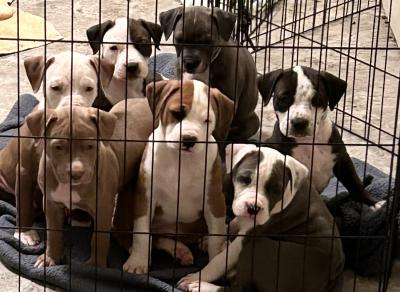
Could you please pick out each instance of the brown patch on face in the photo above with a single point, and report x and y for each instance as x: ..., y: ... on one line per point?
x: 170, y: 100
x: 277, y: 182
x: 215, y: 195
x: 178, y: 104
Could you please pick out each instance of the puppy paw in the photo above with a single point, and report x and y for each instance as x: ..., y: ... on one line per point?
x: 44, y: 261
x: 184, y: 255
x: 378, y: 205
x: 136, y: 265
x: 202, y: 286
x: 30, y: 237
x: 188, y: 279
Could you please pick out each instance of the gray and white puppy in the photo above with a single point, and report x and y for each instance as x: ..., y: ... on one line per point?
x: 205, y: 52
x: 302, y: 100
x: 131, y: 69
x: 274, y: 202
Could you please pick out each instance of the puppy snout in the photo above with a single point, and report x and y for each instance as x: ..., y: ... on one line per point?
x: 77, y: 170
x: 191, y: 63
x: 188, y: 141
x: 253, y: 209
x: 132, y: 68
x: 299, y: 124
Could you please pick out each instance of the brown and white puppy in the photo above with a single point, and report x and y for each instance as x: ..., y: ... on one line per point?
x: 206, y: 52
x: 18, y: 172
x: 130, y: 60
x: 275, y: 208
x: 186, y: 168
x: 302, y: 99
x: 79, y: 172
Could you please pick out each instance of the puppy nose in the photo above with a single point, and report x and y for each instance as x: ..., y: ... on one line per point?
x: 189, y: 141
x: 299, y: 123
x: 191, y: 63
x: 132, y: 67
x: 77, y: 170
x: 253, y: 209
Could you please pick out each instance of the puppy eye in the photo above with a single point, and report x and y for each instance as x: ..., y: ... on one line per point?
x: 178, y: 115
x: 207, y: 121
x: 244, y: 180
x: 90, y: 147
x: 89, y: 89
x: 58, y: 147
x: 56, y: 87
x: 114, y: 48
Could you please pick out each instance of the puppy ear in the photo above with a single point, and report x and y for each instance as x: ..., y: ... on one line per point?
x: 168, y: 20
x: 234, y: 153
x: 225, y: 22
x: 96, y: 33
x: 35, y: 68
x: 157, y: 94
x: 103, y: 68
x: 223, y: 109
x: 105, y: 122
x: 335, y: 88
x: 266, y: 84
x: 154, y: 30
x: 298, y: 173
x: 36, y: 123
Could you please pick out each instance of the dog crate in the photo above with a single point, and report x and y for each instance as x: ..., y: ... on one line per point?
x: 352, y: 39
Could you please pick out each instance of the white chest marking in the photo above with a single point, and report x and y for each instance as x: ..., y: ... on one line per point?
x: 63, y: 194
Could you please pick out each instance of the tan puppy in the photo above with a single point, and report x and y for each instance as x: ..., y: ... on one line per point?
x: 185, y: 169
x: 56, y: 71
x: 77, y: 172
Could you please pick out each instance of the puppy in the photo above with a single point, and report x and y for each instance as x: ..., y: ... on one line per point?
x: 131, y: 69
x: 18, y: 172
x: 72, y: 172
x: 302, y: 98
x: 186, y: 168
x: 215, y: 60
x: 285, y: 230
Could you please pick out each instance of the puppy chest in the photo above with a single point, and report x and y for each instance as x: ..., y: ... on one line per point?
x: 321, y: 160
x: 179, y: 192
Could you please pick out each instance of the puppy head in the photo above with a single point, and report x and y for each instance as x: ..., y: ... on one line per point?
x: 59, y: 89
x: 264, y: 181
x: 71, y: 151
x: 189, y: 112
x: 301, y: 97
x: 197, y: 33
x: 111, y: 37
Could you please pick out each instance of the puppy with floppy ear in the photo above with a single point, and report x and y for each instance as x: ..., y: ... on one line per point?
x: 272, y: 194
x: 185, y: 117
x: 72, y: 168
x: 18, y: 171
x: 130, y: 73
x: 302, y: 98
x: 208, y: 63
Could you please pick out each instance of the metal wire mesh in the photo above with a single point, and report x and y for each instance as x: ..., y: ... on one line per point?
x: 332, y: 35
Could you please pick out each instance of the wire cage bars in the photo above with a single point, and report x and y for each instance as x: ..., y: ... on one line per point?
x: 350, y: 39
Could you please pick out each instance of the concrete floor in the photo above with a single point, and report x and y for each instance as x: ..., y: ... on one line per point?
x: 365, y: 94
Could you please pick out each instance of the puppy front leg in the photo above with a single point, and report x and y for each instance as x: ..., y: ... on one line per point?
x: 345, y: 172
x: 215, y: 213
x: 101, y: 239
x: 24, y: 194
x: 55, y: 216
x: 138, y: 261
x: 217, y: 267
